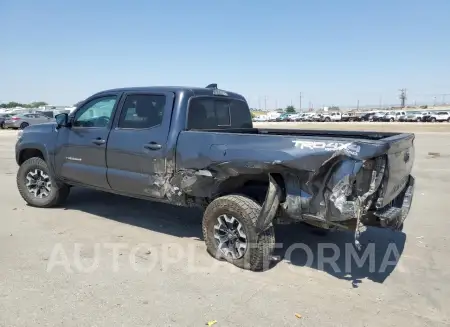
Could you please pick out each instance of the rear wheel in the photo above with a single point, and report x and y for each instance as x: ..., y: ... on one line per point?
x: 2, y: 125
x: 327, y: 119
x: 37, y: 187
x: 391, y: 120
x: 24, y: 125
x: 433, y: 120
x: 418, y: 120
x: 230, y: 234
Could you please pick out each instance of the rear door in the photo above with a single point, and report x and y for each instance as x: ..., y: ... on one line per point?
x: 137, y: 151
x: 81, y: 148
x: 40, y: 119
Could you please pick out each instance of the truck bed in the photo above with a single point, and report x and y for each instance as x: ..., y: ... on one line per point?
x: 316, y: 158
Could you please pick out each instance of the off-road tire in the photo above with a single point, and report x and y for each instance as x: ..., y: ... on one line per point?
x: 59, y: 192
x: 259, y: 248
x: 24, y: 125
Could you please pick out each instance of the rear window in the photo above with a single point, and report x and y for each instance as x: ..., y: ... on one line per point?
x: 218, y: 113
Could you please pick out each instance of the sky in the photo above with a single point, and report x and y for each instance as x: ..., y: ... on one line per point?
x: 331, y: 52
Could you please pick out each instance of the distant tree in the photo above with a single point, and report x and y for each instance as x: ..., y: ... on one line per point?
x: 14, y: 104
x: 290, y: 109
x: 37, y: 104
x: 11, y: 104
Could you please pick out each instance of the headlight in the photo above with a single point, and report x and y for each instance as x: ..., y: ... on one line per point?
x: 19, y: 134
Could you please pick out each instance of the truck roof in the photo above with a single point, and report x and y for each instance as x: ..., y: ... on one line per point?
x: 206, y: 91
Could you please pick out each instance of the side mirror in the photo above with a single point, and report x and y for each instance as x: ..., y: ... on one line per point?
x: 62, y: 120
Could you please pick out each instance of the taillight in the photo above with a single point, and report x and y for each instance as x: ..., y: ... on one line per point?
x: 15, y: 118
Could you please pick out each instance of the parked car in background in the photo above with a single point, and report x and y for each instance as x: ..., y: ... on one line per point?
x: 3, y: 117
x: 417, y: 116
x: 283, y: 117
x: 309, y: 116
x: 439, y: 116
x: 350, y: 116
x: 260, y: 118
x: 393, y: 116
x: 367, y: 116
x: 24, y: 120
x: 379, y: 116
x: 402, y: 118
x: 356, y: 117
x: 294, y: 117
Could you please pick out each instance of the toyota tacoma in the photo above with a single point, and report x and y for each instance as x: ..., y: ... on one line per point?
x: 198, y: 147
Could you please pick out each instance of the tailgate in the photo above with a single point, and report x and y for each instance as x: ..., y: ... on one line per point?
x: 400, y: 159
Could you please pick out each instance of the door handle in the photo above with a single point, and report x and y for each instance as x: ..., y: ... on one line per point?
x: 99, y: 141
x: 153, y: 146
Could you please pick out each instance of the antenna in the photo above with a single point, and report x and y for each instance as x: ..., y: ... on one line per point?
x: 212, y: 86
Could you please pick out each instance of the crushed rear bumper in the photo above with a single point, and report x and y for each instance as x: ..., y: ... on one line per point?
x: 394, y: 214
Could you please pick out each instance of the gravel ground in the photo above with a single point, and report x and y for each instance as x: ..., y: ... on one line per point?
x: 46, y: 254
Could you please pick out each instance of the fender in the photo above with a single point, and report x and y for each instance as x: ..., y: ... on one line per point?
x: 21, y: 147
x: 270, y: 206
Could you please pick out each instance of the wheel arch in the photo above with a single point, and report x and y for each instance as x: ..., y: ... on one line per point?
x: 29, y: 153
x: 254, y: 186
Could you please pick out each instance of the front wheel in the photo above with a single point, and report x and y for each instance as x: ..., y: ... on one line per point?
x: 229, y: 231
x: 37, y: 187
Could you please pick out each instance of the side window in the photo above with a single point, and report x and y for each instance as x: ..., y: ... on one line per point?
x: 240, y: 115
x: 95, y: 113
x: 142, y: 111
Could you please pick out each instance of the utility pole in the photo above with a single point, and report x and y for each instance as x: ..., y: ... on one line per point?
x: 444, y: 95
x: 300, y: 103
x: 265, y: 103
x: 357, y: 104
x: 403, y: 97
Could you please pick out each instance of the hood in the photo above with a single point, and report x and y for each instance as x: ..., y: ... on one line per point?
x: 40, y: 127
x: 44, y: 128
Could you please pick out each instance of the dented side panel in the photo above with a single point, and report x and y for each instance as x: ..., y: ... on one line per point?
x: 329, y: 180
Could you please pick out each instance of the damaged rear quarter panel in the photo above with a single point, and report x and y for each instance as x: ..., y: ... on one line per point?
x: 205, y: 160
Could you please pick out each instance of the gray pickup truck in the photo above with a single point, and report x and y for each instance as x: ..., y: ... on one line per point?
x: 197, y: 147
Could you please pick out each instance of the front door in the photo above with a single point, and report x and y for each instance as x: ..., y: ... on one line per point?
x: 137, y: 152
x: 81, y: 148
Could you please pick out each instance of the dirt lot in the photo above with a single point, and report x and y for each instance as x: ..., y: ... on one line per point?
x: 171, y: 281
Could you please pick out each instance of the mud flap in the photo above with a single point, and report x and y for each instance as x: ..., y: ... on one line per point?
x: 270, y: 206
